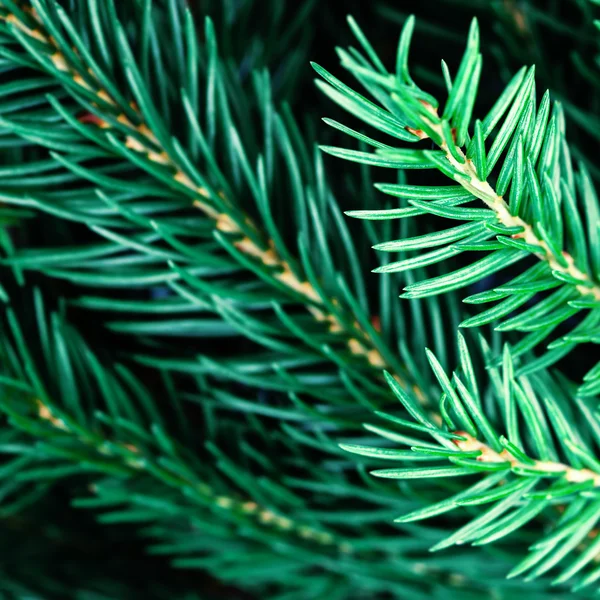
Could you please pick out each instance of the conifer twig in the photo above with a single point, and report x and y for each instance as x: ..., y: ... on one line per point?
x: 142, y: 140
x: 137, y: 463
x: 565, y: 264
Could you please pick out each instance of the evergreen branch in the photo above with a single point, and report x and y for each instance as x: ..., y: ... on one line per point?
x: 135, y: 460
x: 562, y: 472
x: 210, y: 366
x: 466, y: 174
x: 69, y: 435
x: 273, y: 540
x: 521, y: 477
x: 114, y: 115
x: 123, y: 498
x: 541, y: 217
x: 132, y: 481
x: 342, y: 319
x: 409, y: 110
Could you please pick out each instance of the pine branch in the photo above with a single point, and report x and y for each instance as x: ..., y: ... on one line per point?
x: 70, y: 435
x: 286, y: 382
x: 138, y: 141
x: 95, y: 452
x: 114, y: 116
x: 534, y: 216
x: 141, y: 473
x: 520, y: 484
x: 129, y: 456
x: 466, y: 174
x: 542, y: 217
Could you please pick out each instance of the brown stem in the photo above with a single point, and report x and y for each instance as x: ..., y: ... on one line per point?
x: 488, y: 455
x: 570, y: 474
x: 484, y: 191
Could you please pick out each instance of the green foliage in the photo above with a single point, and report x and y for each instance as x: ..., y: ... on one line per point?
x: 138, y: 199
x: 539, y: 206
x: 127, y: 464
x: 148, y: 239
x: 188, y: 335
x: 529, y: 462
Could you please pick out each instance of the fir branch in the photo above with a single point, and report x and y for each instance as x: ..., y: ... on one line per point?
x: 546, y: 212
x: 521, y: 477
x: 564, y: 472
x: 68, y: 434
x: 142, y: 474
x: 409, y: 111
x: 563, y: 267
x: 156, y: 454
x: 133, y: 135
x: 135, y: 460
x: 128, y: 122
